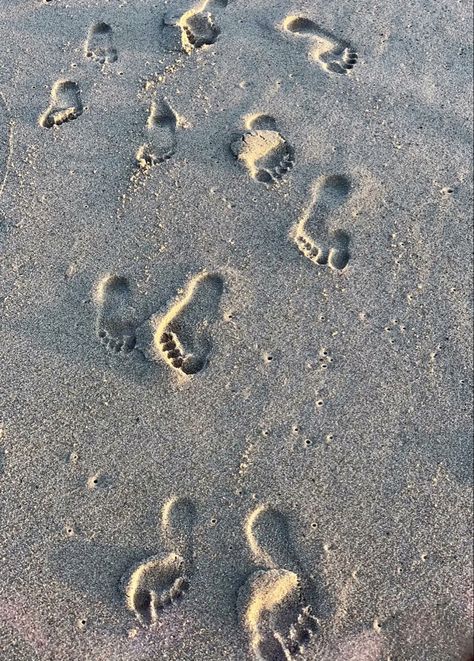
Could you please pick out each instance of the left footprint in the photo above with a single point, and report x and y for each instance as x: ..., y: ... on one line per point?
x: 161, y: 580
x: 161, y: 134
x: 116, y: 321
x: 65, y: 104
x: 99, y: 45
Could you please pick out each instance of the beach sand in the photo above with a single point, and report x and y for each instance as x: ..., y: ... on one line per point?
x: 235, y: 303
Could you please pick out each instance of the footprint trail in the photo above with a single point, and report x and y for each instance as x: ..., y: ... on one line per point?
x: 161, y: 133
x: 330, y: 53
x: 162, y: 580
x: 263, y: 150
x: 65, y: 104
x: 310, y: 234
x: 99, y: 44
x: 273, y: 604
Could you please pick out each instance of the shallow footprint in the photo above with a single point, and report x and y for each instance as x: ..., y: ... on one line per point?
x: 160, y: 581
x: 331, y: 53
x: 273, y: 603
x: 99, y: 45
x: 182, y: 336
x: 116, y: 322
x: 266, y: 154
x: 65, y: 104
x: 310, y: 233
x: 161, y: 130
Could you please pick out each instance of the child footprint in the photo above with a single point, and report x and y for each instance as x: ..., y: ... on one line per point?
x: 273, y: 604
x: 263, y: 150
x: 99, y: 45
x: 310, y: 233
x: 198, y: 25
x: 181, y: 337
x: 331, y: 53
x: 161, y: 580
x: 65, y: 104
x: 161, y: 130
x: 116, y: 322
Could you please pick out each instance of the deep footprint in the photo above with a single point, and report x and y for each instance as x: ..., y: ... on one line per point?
x: 310, y: 233
x: 182, y: 336
x: 332, y: 54
x: 161, y: 132
x: 273, y: 603
x: 116, y: 322
x: 266, y: 154
x: 99, y: 45
x: 65, y: 104
x: 198, y: 25
x: 161, y: 581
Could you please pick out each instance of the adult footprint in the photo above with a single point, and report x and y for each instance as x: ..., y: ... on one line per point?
x: 182, y: 336
x: 198, y: 25
x: 310, y: 233
x: 161, y: 133
x: 161, y: 580
x: 116, y: 323
x: 331, y: 53
x: 263, y: 150
x: 65, y: 104
x: 273, y: 604
x: 99, y: 44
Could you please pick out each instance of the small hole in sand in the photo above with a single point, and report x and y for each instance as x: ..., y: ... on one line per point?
x: 319, y: 403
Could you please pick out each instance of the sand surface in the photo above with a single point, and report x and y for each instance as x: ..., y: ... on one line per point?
x: 235, y: 303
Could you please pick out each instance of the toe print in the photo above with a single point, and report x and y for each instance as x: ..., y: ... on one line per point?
x: 332, y: 54
x: 115, y: 323
x: 311, y: 235
x: 99, y: 44
x: 266, y: 154
x: 65, y: 104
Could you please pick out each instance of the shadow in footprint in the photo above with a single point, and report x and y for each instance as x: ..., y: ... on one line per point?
x: 160, y: 581
x: 99, y: 44
x: 65, y: 104
x: 198, y: 25
x: 334, y: 55
x: 161, y: 135
x: 310, y: 234
x: 275, y: 603
x: 116, y: 322
x: 266, y: 154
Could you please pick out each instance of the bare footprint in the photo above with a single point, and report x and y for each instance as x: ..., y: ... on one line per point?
x: 65, y: 104
x: 273, y: 604
x: 161, y: 580
x: 310, y: 233
x: 182, y: 336
x: 161, y: 132
x: 266, y: 154
x: 99, y: 44
x: 198, y: 25
x: 332, y: 54
x: 115, y: 325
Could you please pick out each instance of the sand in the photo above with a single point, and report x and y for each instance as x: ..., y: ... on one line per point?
x: 235, y: 289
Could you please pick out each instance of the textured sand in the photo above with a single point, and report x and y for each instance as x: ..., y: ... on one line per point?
x: 235, y: 291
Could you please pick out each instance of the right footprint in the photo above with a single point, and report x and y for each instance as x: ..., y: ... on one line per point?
x: 273, y: 604
x: 99, y: 45
x: 332, y: 54
x: 65, y: 104
x: 266, y: 154
x: 161, y: 580
x: 161, y: 130
x: 182, y: 336
x: 310, y: 233
x: 116, y: 322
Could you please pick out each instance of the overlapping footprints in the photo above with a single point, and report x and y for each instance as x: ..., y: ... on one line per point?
x: 162, y: 580
x: 161, y: 135
x: 311, y: 234
x: 266, y: 154
x: 65, y: 104
x: 99, y: 45
x: 332, y: 54
x: 274, y: 603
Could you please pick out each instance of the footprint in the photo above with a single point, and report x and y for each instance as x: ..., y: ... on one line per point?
x: 160, y: 581
x: 99, y: 45
x: 332, y: 54
x: 65, y: 104
x: 198, y: 26
x: 310, y: 233
x: 116, y: 322
x: 182, y: 336
x: 161, y: 130
x: 266, y: 154
x: 273, y: 604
